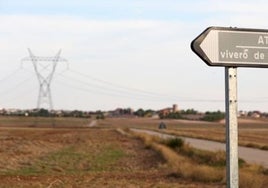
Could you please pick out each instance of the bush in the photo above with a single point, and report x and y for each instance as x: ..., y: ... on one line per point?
x: 213, y: 116
x: 100, y: 116
x: 174, y: 143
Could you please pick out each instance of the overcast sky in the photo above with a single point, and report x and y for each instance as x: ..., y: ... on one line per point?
x: 124, y: 53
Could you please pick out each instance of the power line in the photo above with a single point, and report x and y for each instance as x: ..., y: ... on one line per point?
x: 8, y: 91
x: 10, y: 75
x: 18, y: 96
x: 128, y: 89
x: 109, y: 93
x: 106, y: 88
x: 145, y: 94
x: 118, y: 86
x: 116, y: 90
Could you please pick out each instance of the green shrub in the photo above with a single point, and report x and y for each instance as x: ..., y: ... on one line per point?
x: 213, y: 116
x: 174, y: 143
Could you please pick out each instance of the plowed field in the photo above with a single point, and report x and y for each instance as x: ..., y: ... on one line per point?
x: 81, y: 157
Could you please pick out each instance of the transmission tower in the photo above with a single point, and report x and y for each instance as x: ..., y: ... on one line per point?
x: 44, y: 68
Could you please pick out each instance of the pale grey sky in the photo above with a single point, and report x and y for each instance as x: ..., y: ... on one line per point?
x: 124, y: 53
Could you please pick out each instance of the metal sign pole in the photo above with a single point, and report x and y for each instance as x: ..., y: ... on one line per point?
x: 231, y: 127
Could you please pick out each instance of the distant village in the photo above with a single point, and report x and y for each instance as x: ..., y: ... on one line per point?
x: 172, y: 112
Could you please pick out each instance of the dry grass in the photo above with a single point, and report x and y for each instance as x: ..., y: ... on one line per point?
x: 253, y: 176
x: 188, y: 167
x: 183, y: 166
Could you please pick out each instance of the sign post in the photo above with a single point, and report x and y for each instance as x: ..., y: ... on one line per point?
x: 231, y: 127
x: 232, y: 48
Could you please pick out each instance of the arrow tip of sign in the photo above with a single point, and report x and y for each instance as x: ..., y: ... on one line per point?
x: 195, y: 44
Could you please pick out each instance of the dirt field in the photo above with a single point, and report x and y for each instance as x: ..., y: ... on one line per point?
x: 81, y: 157
x: 77, y: 154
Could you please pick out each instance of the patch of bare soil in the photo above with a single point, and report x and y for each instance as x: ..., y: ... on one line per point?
x: 20, y: 147
x: 138, y: 166
x: 125, y: 180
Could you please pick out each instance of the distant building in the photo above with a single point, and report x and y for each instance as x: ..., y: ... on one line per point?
x: 242, y: 113
x: 166, y: 111
x: 120, y: 112
x: 255, y: 114
x: 175, y: 108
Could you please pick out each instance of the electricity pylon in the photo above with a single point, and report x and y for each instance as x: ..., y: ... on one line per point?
x: 44, y: 68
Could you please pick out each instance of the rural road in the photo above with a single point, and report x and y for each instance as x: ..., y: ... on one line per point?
x: 251, y: 155
x: 92, y: 123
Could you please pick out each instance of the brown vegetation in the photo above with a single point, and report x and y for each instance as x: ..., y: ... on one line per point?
x: 196, y: 165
